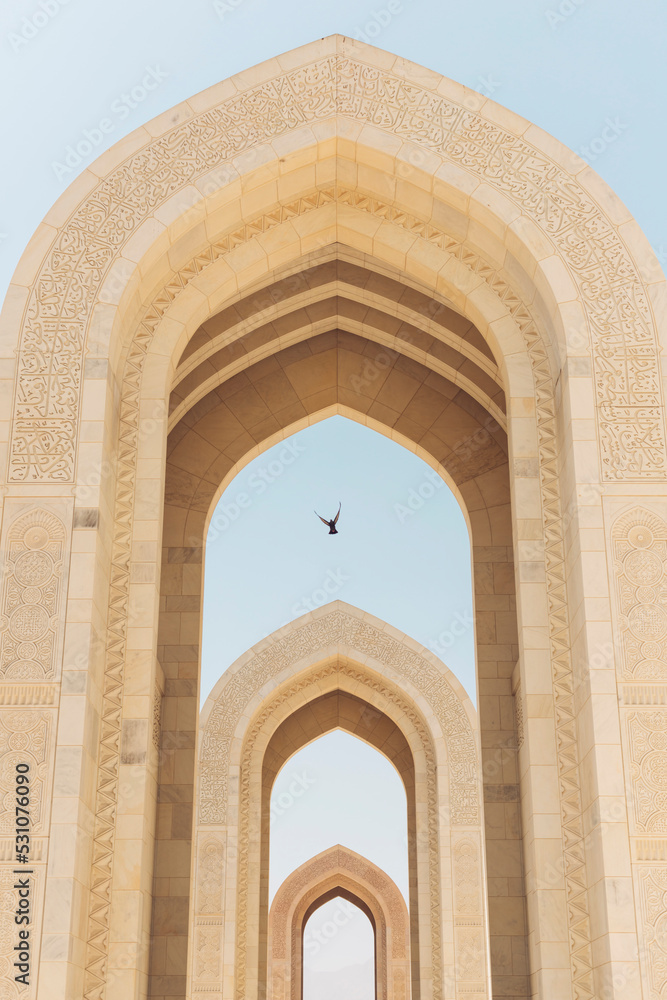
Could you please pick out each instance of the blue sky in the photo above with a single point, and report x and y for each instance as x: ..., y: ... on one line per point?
x: 338, y: 954
x: 324, y: 785
x: 402, y: 551
x: 581, y: 69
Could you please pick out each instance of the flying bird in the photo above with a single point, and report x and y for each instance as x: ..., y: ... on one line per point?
x: 331, y: 525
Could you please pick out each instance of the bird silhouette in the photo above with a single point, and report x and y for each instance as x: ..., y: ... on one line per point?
x: 331, y: 525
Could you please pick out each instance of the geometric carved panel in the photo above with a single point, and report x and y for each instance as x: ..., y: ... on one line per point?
x: 469, y: 932
x: 24, y: 739
x: 653, y: 909
x: 647, y: 750
x: 34, y: 551
x: 210, y: 877
x: 639, y: 546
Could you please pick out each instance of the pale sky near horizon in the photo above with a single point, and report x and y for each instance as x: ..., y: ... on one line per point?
x: 584, y: 70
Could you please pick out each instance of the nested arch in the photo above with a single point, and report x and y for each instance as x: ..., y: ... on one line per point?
x: 321, y: 147
x: 345, y: 893
x: 340, y: 652
x: 339, y: 708
x: 338, y: 872
x: 337, y: 289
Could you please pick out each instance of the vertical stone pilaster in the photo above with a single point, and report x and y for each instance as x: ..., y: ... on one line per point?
x: 35, y: 549
x: 636, y: 539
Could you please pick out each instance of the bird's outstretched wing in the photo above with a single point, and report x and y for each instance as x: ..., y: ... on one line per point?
x: 321, y: 519
x: 338, y: 514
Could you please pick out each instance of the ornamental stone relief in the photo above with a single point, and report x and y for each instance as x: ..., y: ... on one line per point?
x: 331, y: 630
x: 35, y: 549
x: 210, y: 876
x: 647, y: 748
x: 639, y: 546
x: 25, y: 739
x: 467, y: 888
x: 208, y: 940
x: 571, y: 813
x: 653, y: 908
x: 468, y: 918
x: 470, y: 962
x: 52, y: 339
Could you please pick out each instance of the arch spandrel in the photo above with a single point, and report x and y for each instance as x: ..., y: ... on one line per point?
x: 521, y: 178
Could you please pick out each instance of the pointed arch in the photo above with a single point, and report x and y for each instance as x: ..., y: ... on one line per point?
x: 343, y: 147
x: 340, y: 649
x: 338, y: 871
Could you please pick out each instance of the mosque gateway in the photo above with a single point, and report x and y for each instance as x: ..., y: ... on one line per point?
x: 331, y: 221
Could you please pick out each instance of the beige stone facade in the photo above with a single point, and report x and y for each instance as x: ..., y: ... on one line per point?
x: 336, y: 231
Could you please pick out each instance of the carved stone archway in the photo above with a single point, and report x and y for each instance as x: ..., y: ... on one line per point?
x: 338, y: 149
x: 339, y: 872
x: 245, y: 734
